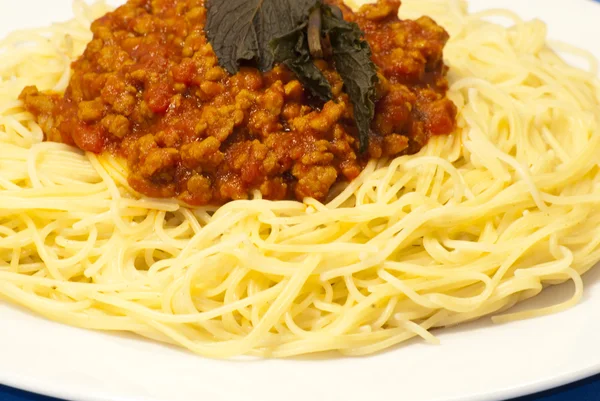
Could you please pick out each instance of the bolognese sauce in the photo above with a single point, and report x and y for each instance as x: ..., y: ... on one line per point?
x: 149, y: 88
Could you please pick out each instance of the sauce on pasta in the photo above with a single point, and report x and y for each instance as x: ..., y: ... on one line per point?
x: 149, y: 87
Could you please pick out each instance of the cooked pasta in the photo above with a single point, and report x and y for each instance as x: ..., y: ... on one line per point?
x: 471, y: 225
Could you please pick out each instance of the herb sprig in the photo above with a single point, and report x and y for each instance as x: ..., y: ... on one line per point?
x: 293, y: 32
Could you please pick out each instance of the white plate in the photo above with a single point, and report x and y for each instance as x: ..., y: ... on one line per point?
x: 475, y: 362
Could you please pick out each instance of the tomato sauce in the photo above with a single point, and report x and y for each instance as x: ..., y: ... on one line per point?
x: 150, y: 89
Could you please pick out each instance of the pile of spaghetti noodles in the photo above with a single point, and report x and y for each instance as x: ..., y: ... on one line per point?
x: 475, y: 223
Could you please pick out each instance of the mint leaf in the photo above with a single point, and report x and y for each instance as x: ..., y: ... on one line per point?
x: 293, y: 51
x: 352, y: 58
x: 263, y: 32
x: 242, y: 30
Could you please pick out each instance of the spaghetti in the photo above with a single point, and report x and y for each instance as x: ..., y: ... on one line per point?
x: 475, y: 223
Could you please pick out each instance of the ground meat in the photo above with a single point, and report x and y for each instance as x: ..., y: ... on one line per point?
x: 149, y: 88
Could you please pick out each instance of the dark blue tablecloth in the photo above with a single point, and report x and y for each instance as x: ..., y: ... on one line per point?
x: 587, y: 390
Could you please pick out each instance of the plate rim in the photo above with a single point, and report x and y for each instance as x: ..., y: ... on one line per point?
x: 45, y: 387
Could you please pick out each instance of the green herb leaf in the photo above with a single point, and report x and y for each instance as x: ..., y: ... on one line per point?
x: 242, y: 30
x: 289, y: 31
x: 352, y: 58
x: 293, y: 51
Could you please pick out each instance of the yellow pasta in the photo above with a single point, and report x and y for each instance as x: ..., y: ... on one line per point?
x: 475, y: 223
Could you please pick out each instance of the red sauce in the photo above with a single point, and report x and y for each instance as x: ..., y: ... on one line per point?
x: 149, y: 88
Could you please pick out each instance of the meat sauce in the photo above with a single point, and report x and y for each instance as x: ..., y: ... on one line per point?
x: 149, y: 88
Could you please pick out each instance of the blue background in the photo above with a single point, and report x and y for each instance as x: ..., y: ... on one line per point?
x: 586, y: 390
